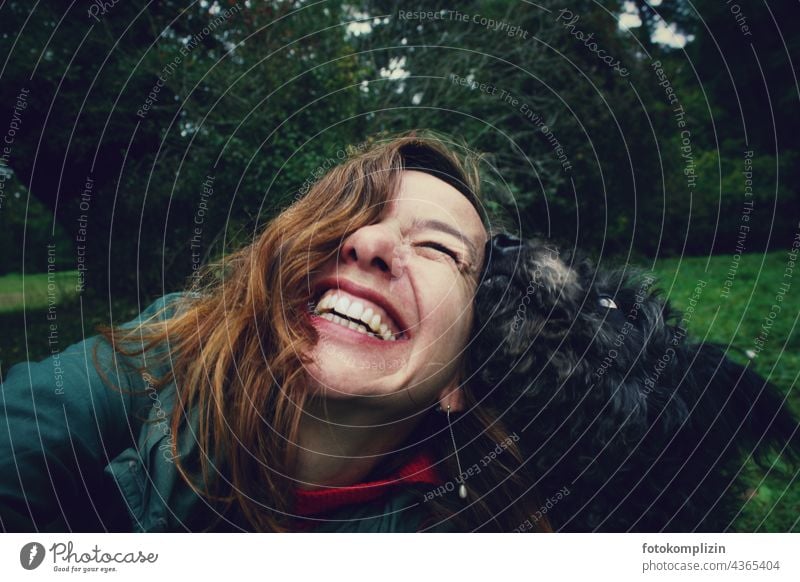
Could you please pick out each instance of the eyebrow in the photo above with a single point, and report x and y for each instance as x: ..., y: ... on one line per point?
x: 434, y: 224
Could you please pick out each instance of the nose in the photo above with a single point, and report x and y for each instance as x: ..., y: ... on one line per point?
x: 505, y: 243
x: 372, y: 246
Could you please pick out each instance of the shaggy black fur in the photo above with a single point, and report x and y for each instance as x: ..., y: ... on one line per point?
x: 648, y: 430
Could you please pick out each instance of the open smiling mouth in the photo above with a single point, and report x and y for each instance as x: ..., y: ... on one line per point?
x: 356, y: 314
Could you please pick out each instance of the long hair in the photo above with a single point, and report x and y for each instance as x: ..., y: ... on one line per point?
x: 239, y: 343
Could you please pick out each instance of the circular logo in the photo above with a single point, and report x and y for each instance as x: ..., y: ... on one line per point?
x: 31, y: 555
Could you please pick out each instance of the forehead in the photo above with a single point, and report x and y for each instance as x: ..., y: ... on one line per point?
x: 424, y: 197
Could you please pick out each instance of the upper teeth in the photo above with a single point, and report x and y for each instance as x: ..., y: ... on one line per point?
x: 342, y: 305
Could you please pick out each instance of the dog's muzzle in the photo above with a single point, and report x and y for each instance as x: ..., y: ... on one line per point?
x: 500, y: 249
x: 504, y: 243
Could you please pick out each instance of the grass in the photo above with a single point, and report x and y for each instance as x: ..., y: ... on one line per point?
x: 27, y: 329
x: 36, y: 289
x: 754, y: 284
x: 735, y: 319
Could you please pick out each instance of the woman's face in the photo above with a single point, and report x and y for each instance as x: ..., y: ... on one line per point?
x: 409, y: 280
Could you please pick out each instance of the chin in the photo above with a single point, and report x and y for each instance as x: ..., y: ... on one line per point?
x: 335, y: 379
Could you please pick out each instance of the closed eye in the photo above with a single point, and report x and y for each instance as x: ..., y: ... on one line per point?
x: 442, y: 249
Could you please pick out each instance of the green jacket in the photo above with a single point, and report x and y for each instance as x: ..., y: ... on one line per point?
x: 76, y: 455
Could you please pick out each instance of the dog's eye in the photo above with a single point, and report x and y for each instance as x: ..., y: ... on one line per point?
x: 606, y: 302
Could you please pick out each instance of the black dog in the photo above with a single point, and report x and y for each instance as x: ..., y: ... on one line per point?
x: 613, y: 404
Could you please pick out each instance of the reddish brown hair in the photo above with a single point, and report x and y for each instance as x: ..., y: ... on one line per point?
x: 238, y: 345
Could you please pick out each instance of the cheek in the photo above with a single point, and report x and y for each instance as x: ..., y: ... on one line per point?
x: 444, y: 299
x: 457, y: 328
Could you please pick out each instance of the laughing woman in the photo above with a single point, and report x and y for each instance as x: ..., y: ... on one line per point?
x: 312, y: 381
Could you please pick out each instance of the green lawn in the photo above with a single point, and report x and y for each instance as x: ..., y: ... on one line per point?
x: 37, y: 290
x: 737, y: 319
x: 26, y: 332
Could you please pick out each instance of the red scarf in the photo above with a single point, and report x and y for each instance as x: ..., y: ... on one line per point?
x: 419, y: 469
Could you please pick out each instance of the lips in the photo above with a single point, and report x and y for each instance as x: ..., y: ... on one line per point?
x: 389, y: 315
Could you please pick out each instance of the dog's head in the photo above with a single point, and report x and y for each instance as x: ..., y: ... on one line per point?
x: 554, y: 329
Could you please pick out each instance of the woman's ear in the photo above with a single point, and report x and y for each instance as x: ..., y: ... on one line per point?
x: 452, y: 396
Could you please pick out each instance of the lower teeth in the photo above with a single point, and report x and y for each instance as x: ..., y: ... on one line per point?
x: 351, y: 325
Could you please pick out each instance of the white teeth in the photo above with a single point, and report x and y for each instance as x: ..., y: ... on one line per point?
x: 325, y: 303
x: 385, y: 333
x: 342, y: 305
x: 332, y: 301
x: 375, y: 323
x: 356, y: 309
x: 349, y: 324
x: 366, y: 317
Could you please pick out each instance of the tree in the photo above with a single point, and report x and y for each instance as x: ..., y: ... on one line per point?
x: 133, y: 113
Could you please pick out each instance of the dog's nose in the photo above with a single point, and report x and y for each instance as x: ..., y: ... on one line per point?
x: 504, y: 243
